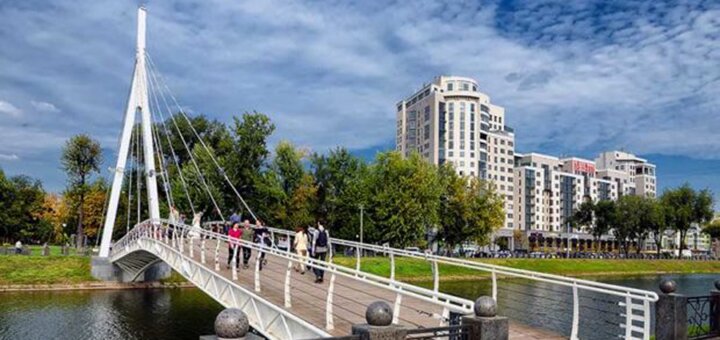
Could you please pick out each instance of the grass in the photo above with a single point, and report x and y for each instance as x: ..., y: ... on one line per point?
x: 408, y: 269
x: 35, y: 269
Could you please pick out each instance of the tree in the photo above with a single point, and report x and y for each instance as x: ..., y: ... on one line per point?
x: 684, y: 207
x: 24, y: 209
x: 340, y: 179
x: 298, y: 189
x: 81, y: 158
x: 628, y: 220
x: 249, y: 153
x: 470, y: 210
x: 653, y: 219
x: 404, y: 197
x: 583, y: 215
x: 604, y: 211
x: 712, y: 229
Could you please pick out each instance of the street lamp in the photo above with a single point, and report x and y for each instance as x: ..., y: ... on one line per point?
x: 361, y: 222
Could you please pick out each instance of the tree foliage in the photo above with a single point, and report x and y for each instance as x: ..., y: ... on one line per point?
x: 684, y: 206
x: 81, y: 157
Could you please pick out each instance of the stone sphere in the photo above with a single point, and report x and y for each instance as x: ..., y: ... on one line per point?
x: 379, y: 313
x: 668, y: 286
x: 717, y: 284
x: 231, y: 323
x: 485, y: 306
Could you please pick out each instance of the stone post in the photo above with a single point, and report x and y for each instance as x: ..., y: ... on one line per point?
x: 715, y: 309
x: 670, y: 313
x: 485, y: 324
x: 379, y: 325
x: 45, y: 250
x: 231, y: 324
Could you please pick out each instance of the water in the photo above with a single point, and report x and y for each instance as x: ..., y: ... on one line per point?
x: 107, y: 315
x: 189, y: 313
x: 542, y: 305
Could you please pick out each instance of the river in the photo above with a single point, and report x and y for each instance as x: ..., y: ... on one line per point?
x: 188, y: 313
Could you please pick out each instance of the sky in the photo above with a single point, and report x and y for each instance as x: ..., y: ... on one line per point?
x: 575, y: 77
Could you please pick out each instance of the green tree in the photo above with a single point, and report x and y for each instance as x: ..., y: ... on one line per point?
x: 23, y: 205
x: 470, y: 209
x: 404, y: 195
x: 654, y: 221
x: 583, y: 215
x: 298, y: 190
x: 249, y: 153
x: 628, y: 220
x: 712, y: 229
x: 605, y: 214
x: 81, y: 157
x: 340, y: 179
x: 684, y: 207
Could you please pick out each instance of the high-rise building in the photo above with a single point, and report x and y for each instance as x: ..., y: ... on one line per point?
x: 450, y: 121
x: 633, y: 175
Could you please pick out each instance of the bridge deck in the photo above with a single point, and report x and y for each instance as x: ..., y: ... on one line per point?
x: 349, y: 301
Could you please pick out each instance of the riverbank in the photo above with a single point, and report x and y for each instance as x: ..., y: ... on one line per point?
x: 416, y: 270
x: 20, y: 272
x: 73, y: 272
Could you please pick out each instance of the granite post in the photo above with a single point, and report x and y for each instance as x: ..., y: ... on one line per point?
x: 485, y: 324
x: 379, y: 325
x: 670, y: 313
x: 231, y: 324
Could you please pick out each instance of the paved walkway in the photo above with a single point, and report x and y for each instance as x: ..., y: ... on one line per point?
x: 349, y: 300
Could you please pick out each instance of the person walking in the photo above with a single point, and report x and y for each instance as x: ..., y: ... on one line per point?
x: 234, y: 235
x: 320, y: 248
x: 262, y: 237
x: 301, y: 248
x: 18, y: 247
x: 247, y: 237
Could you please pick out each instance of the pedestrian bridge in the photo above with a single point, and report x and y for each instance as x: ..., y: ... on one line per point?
x: 283, y: 304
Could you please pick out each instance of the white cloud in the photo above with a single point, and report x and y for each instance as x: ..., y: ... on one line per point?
x: 44, y: 106
x: 9, y: 109
x: 9, y: 157
x: 574, y: 77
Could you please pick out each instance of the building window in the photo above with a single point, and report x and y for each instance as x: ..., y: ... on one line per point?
x: 450, y: 86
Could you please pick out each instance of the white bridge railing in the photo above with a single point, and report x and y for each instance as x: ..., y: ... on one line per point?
x: 629, y: 308
x: 175, y: 244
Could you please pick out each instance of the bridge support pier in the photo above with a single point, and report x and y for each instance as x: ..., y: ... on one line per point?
x: 102, y: 269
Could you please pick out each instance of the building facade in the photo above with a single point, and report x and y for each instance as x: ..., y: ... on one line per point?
x: 450, y: 121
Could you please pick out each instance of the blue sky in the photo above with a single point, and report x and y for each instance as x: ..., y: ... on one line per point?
x: 575, y: 77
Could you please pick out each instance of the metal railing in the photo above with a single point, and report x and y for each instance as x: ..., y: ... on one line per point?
x: 455, y: 332
x: 176, y: 235
x: 627, y: 310
x: 701, y: 317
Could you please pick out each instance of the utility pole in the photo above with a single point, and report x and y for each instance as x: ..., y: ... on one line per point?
x: 361, y: 222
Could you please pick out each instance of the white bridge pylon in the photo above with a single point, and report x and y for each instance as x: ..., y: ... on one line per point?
x: 137, y: 103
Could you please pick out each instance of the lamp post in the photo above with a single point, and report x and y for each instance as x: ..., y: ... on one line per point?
x: 361, y: 222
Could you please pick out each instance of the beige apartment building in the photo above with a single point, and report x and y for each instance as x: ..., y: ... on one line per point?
x: 450, y: 121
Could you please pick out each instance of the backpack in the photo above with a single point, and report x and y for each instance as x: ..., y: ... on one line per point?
x: 321, y: 239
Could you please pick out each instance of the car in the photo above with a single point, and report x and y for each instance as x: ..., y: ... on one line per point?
x: 413, y: 249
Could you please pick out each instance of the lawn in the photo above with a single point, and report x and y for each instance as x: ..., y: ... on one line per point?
x: 408, y: 269
x: 35, y: 269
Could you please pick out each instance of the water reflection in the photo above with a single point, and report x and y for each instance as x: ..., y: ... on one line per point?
x: 108, y: 315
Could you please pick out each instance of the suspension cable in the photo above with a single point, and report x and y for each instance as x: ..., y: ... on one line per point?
x: 161, y: 156
x: 137, y: 175
x: 202, y: 142
x: 192, y: 158
x: 130, y: 180
x: 172, y: 150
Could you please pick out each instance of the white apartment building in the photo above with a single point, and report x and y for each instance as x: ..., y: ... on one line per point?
x: 633, y: 175
x: 450, y: 121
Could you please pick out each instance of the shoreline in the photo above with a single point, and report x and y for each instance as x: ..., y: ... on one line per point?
x: 92, y: 285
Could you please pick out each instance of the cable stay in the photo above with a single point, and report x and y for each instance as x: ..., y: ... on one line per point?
x: 156, y: 74
x: 153, y: 80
